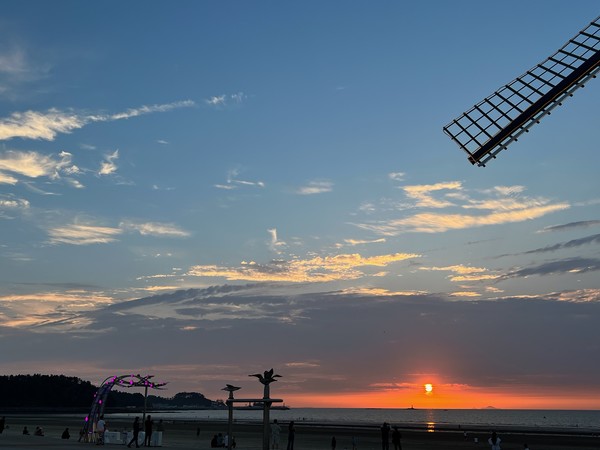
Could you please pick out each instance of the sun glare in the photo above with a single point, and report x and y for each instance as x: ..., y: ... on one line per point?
x: 428, y: 388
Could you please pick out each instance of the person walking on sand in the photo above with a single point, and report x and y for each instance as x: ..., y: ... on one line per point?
x: 396, y: 436
x: 333, y: 443
x: 494, y: 441
x: 100, y: 429
x: 275, y: 435
x: 291, y: 435
x: 148, y: 425
x: 136, y: 433
x: 385, y: 436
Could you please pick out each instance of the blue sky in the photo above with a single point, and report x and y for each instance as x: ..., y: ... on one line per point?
x: 286, y: 162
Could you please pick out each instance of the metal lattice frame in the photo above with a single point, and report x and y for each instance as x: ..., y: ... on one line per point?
x: 101, y: 395
x: 491, y: 125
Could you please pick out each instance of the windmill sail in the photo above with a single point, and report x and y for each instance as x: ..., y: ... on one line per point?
x: 497, y: 121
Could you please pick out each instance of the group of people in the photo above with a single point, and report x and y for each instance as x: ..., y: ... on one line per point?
x: 276, y: 435
x: 385, y: 437
x: 218, y: 440
x: 148, y: 429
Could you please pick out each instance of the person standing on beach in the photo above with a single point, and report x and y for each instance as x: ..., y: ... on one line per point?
x: 333, y: 443
x: 396, y: 436
x: 275, y: 433
x: 291, y: 435
x: 136, y: 433
x: 100, y: 429
x: 2, y: 424
x: 385, y: 436
x: 494, y: 441
x: 148, y: 425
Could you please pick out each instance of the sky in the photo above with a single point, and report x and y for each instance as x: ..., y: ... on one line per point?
x: 205, y: 190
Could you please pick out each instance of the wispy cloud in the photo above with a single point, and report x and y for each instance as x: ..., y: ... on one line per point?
x: 316, y: 187
x: 226, y: 99
x: 571, y: 225
x: 33, y: 165
x: 396, y: 176
x: 318, y: 269
x: 464, y: 273
x: 46, y: 125
x: 275, y: 244
x: 557, y: 267
x: 9, y: 202
x: 353, y: 242
x: 233, y: 182
x: 594, y: 239
x: 422, y: 194
x: 504, y: 204
x: 154, y: 229
x: 109, y: 166
x: 82, y: 234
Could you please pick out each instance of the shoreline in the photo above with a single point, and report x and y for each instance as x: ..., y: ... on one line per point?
x: 182, y: 434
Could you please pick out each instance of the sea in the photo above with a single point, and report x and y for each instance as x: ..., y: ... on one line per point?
x: 553, y: 421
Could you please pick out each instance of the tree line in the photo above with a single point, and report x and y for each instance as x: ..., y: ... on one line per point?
x: 60, y: 391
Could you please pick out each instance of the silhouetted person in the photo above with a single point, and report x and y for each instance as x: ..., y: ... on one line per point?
x: 148, y: 425
x: 396, y: 436
x: 2, y: 424
x: 136, y: 433
x: 385, y: 436
x: 25, y: 430
x: 291, y: 435
x: 38, y: 431
x: 275, y: 435
x: 100, y: 429
x: 213, y: 442
x: 333, y: 443
x: 65, y: 434
x: 494, y: 441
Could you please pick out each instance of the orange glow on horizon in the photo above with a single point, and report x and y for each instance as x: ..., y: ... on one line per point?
x: 449, y: 397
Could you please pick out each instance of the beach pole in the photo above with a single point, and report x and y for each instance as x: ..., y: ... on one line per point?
x: 231, y: 389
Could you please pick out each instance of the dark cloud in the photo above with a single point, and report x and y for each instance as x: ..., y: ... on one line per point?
x: 578, y: 265
x: 594, y: 239
x: 353, y: 342
x: 568, y: 226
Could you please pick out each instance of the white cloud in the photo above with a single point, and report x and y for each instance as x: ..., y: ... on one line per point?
x: 154, y: 229
x: 225, y: 99
x: 46, y: 125
x: 13, y: 203
x: 317, y: 269
x: 423, y: 197
x: 316, y: 187
x: 109, y: 166
x: 33, y: 164
x: 77, y: 234
x: 275, y: 244
x: 216, y: 100
x: 396, y: 176
x: 514, y: 208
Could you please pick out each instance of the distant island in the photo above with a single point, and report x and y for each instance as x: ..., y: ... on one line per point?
x: 35, y: 392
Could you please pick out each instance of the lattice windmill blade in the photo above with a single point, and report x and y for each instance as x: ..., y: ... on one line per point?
x: 494, y: 123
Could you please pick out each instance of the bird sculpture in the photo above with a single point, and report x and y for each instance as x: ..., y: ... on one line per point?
x: 266, y: 378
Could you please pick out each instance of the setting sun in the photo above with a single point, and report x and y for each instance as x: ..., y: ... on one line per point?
x: 428, y: 388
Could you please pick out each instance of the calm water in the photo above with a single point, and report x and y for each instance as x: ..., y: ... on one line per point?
x: 427, y: 418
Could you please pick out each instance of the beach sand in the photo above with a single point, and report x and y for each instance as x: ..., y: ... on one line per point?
x: 182, y: 435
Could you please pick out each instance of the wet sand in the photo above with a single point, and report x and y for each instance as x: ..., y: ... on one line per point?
x: 182, y: 435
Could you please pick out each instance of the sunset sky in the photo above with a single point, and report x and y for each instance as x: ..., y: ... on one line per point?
x: 206, y: 190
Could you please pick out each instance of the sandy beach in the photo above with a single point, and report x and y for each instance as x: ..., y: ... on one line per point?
x: 183, y: 435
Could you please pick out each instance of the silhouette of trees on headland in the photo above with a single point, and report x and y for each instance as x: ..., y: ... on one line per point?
x: 60, y: 391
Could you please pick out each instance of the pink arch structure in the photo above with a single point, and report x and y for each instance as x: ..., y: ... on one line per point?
x: 97, y: 409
